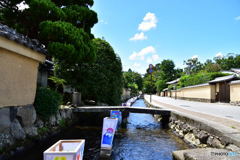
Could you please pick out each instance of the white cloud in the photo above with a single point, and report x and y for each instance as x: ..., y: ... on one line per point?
x: 149, y: 60
x: 133, y: 56
x: 138, y: 36
x: 149, y: 22
x: 141, y: 54
x: 219, y: 55
x: 237, y: 18
x: 21, y: 6
x: 136, y: 65
x: 195, y: 57
x: 153, y: 58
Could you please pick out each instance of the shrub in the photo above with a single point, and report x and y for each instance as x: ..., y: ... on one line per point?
x: 43, y: 130
x: 63, y: 123
x: 47, y: 102
x: 160, y: 84
x: 199, y: 78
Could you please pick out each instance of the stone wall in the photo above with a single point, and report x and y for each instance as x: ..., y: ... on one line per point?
x: 17, y: 124
x: 198, y: 137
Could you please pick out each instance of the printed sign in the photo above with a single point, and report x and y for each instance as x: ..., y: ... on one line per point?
x: 66, y: 150
x: 116, y: 114
x: 150, y: 69
x: 108, y: 131
x: 59, y: 157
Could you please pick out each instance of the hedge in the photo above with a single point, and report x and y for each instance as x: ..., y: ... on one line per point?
x: 199, y: 78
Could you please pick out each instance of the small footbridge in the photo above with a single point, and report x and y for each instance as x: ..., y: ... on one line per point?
x: 165, y: 114
x: 161, y: 112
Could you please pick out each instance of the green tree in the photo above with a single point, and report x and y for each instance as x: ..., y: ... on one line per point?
x: 133, y: 80
x: 193, y: 66
x: 160, y: 85
x: 149, y: 83
x: 102, y: 80
x: 210, y: 66
x: 166, y: 70
x: 229, y: 61
x: 70, y: 46
x: 27, y: 21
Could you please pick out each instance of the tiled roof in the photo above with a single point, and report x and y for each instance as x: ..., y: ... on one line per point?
x: 174, y: 81
x: 224, y: 78
x: 11, y: 34
x: 236, y: 70
x: 198, y: 85
x: 165, y: 89
x: 235, y: 82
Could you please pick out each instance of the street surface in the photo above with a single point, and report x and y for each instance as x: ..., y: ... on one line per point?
x: 222, y: 110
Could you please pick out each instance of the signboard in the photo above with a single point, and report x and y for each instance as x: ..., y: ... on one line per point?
x: 65, y: 150
x: 108, y: 131
x: 150, y: 69
x: 116, y: 114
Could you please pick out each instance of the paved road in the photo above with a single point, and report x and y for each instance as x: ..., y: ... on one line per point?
x: 216, y: 109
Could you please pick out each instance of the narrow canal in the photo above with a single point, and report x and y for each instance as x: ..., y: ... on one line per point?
x: 142, y: 139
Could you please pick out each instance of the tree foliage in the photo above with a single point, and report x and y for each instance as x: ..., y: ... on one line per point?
x: 163, y: 72
x: 27, y: 21
x: 193, y: 66
x: 160, y: 85
x: 149, y: 81
x: 210, y: 66
x: 102, y: 80
x: 199, y: 78
x: 133, y: 81
x: 67, y: 43
x: 228, y: 62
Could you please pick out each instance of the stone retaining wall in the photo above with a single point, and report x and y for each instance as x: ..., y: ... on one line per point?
x: 17, y: 124
x: 197, y: 137
x: 202, y: 134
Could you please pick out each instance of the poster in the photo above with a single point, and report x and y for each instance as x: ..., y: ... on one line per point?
x: 116, y: 114
x: 108, y: 131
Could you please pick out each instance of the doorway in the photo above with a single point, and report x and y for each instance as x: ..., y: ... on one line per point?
x: 224, y: 92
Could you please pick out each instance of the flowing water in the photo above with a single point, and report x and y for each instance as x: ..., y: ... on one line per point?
x: 142, y: 139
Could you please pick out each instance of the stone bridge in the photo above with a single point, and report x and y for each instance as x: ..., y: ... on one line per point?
x: 161, y: 112
x: 165, y: 114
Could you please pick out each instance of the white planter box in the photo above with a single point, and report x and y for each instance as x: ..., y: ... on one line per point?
x: 66, y: 150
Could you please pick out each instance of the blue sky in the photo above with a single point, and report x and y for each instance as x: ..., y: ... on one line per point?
x: 148, y: 31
